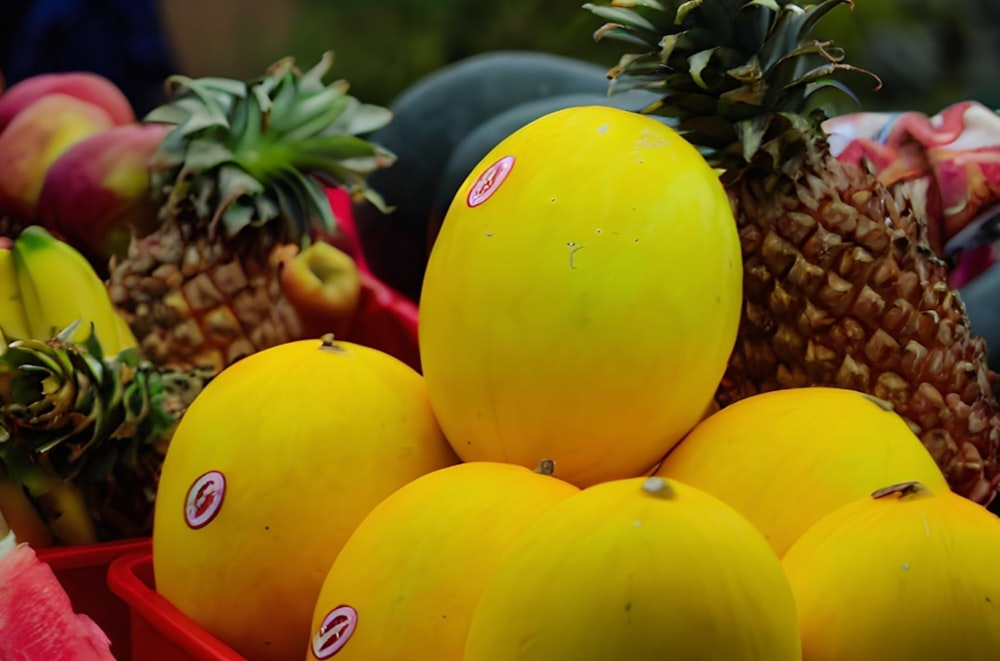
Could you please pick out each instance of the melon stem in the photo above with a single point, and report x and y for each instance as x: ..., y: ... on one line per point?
x: 657, y: 486
x: 546, y: 467
x: 902, y: 489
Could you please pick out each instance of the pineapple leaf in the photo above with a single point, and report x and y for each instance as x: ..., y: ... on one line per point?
x: 236, y: 216
x: 360, y: 119
x: 649, y: 4
x: 313, y: 78
x: 79, y: 424
x: 730, y: 71
x: 314, y: 116
x: 697, y: 64
x: 624, y: 17
x: 619, y: 33
x: 205, y: 154
x: 286, y: 130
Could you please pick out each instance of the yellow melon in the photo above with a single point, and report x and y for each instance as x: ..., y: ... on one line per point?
x: 642, y: 568
x: 405, y: 584
x: 584, y: 291
x: 906, y: 573
x: 268, y: 473
x: 786, y: 458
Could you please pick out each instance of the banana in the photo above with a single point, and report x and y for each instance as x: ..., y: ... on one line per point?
x: 21, y: 514
x: 59, y: 286
x: 13, y: 321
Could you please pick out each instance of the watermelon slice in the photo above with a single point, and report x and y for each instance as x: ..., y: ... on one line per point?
x: 36, y: 617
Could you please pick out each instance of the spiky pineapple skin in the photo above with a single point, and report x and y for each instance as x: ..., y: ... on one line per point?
x: 194, y: 301
x: 841, y: 286
x: 841, y: 289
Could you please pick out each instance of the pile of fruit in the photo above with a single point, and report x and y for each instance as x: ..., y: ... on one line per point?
x: 696, y: 393
x: 141, y: 257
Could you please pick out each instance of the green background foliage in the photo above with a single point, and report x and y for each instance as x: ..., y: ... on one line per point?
x: 929, y: 53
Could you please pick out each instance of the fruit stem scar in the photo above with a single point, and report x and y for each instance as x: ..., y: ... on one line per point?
x: 546, y: 467
x: 902, y: 489
x: 657, y: 486
x: 573, y: 248
x: 329, y: 343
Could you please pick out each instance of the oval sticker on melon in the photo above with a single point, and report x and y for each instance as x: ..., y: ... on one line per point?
x: 489, y: 181
x: 334, y: 632
x: 204, y: 499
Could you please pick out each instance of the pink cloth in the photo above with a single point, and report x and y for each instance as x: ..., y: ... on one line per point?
x: 958, y: 152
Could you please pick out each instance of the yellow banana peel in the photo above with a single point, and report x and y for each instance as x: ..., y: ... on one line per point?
x: 13, y: 321
x: 58, y: 286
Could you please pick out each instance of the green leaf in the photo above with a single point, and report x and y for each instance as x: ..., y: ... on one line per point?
x: 618, y: 33
x: 621, y: 16
x: 360, y: 119
x: 697, y: 65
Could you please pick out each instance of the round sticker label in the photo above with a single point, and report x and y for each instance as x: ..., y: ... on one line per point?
x: 489, y: 181
x: 334, y: 632
x: 204, y: 499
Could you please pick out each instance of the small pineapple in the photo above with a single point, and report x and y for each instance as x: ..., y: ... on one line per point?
x: 84, y: 434
x: 238, y: 183
x: 840, y: 285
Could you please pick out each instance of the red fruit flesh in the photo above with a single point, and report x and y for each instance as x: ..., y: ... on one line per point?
x: 37, y: 618
x: 85, y: 86
x: 96, y: 194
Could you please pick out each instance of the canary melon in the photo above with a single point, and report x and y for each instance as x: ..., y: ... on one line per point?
x: 429, y: 119
x: 582, y: 298
x: 905, y: 573
x: 411, y: 574
x: 642, y: 568
x: 268, y: 473
x: 786, y: 458
x: 479, y: 141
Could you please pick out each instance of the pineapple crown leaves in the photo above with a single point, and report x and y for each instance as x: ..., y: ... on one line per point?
x: 736, y: 74
x: 68, y: 406
x: 245, y: 153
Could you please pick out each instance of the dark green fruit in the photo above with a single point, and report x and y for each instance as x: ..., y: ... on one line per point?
x: 429, y: 119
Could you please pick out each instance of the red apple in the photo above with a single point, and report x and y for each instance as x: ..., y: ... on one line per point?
x: 82, y: 85
x: 323, y: 285
x: 34, y: 139
x: 96, y: 194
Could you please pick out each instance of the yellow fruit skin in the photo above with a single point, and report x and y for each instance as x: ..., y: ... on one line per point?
x: 910, y: 577
x: 309, y: 439
x: 58, y: 286
x: 593, y: 298
x: 786, y: 458
x: 617, y: 572
x: 13, y: 322
x: 416, y: 566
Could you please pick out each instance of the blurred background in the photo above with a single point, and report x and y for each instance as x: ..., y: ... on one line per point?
x: 929, y: 53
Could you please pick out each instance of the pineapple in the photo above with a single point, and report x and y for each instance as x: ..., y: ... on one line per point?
x: 237, y: 182
x: 841, y: 287
x: 85, y: 434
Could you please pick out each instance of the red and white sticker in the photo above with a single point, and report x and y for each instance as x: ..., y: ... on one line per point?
x: 489, y: 181
x: 204, y: 499
x: 334, y: 632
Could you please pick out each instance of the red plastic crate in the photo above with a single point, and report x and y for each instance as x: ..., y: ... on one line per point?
x: 385, y: 320
x: 160, y: 631
x: 82, y: 572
